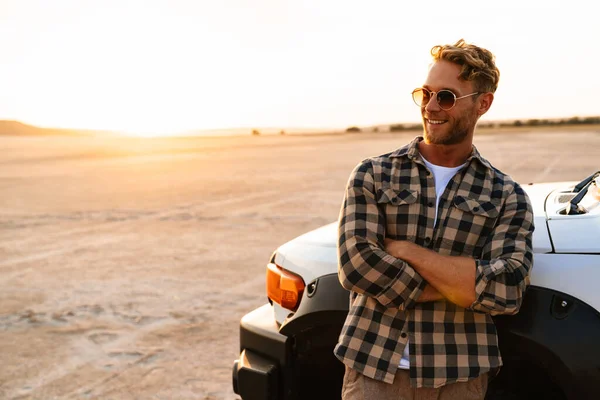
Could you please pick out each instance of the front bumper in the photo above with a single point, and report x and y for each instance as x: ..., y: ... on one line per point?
x: 295, y: 360
x: 264, y: 353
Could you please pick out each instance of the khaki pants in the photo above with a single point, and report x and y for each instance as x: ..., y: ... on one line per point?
x: 358, y: 387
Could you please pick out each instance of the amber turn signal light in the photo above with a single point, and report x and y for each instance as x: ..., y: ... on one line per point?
x: 283, y: 287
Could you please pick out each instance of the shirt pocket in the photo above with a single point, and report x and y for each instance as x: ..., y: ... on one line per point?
x: 470, y: 223
x: 401, y: 210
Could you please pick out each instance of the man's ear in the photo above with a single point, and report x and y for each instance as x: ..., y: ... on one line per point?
x: 485, y: 102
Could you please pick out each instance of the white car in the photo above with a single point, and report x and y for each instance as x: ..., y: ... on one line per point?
x: 550, y: 349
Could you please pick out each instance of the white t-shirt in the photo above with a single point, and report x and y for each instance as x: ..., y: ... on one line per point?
x: 442, y: 176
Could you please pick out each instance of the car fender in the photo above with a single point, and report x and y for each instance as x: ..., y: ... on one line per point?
x: 559, y: 334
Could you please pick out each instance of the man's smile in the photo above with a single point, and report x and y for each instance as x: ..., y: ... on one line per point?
x: 435, y: 121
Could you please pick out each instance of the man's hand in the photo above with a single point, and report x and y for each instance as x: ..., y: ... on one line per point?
x: 399, y: 248
x: 452, y: 277
x: 430, y: 294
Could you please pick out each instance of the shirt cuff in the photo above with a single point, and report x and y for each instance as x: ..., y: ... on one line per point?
x: 485, y: 271
x: 405, y: 288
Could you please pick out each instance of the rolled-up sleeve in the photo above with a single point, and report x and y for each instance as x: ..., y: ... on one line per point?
x: 502, y: 274
x: 363, y: 266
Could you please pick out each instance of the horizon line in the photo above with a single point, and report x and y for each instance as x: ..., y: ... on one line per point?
x: 281, y: 128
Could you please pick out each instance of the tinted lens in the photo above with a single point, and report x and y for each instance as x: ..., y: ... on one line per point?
x: 446, y: 99
x: 421, y: 96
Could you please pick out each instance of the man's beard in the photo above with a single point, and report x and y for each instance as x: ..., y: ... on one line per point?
x: 456, y: 133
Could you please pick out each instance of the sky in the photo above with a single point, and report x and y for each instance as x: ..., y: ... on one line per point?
x: 168, y: 66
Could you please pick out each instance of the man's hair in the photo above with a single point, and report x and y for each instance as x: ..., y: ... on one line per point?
x: 477, y: 64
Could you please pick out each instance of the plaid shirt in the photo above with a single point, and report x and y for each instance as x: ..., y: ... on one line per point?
x: 483, y: 214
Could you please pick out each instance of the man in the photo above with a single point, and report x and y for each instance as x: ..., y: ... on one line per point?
x: 433, y: 241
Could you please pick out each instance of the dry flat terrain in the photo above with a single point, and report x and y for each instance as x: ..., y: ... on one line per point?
x: 126, y: 264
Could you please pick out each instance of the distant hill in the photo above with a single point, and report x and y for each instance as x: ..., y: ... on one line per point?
x: 16, y: 128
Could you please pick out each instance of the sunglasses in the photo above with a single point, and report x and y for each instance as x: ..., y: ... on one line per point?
x: 445, y: 98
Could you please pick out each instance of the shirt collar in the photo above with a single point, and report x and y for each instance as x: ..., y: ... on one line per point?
x: 411, y: 150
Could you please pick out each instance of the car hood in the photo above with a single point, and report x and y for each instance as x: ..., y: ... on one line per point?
x: 312, y: 254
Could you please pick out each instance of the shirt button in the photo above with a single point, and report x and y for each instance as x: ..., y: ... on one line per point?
x: 403, y: 334
x: 427, y: 240
x: 475, y: 209
x: 430, y: 204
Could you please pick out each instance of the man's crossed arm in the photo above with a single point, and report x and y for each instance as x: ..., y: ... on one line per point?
x: 448, y: 277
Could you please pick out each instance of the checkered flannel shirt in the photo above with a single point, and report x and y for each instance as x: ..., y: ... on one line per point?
x: 482, y: 213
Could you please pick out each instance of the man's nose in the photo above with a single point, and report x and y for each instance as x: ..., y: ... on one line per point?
x: 433, y: 105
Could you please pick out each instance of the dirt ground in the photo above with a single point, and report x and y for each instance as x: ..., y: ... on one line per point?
x: 126, y: 264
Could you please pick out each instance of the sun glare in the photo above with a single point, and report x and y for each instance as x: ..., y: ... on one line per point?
x: 132, y: 78
x: 169, y: 68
